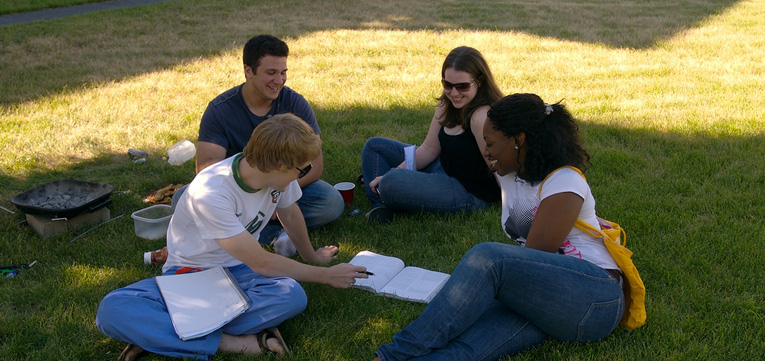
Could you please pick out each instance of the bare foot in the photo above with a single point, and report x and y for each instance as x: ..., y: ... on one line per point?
x: 244, y: 344
x: 275, y: 347
x: 248, y: 345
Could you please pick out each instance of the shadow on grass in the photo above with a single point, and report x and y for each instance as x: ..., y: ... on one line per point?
x: 688, y: 205
x: 648, y: 179
x: 134, y: 41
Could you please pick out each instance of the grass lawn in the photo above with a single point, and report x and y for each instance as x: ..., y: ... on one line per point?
x: 668, y: 93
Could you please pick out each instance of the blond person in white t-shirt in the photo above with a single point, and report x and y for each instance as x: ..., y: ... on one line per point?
x: 563, y: 284
x: 217, y: 222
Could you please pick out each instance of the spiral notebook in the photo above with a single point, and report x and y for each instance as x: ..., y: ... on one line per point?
x: 202, y: 302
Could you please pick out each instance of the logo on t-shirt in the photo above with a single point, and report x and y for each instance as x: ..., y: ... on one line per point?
x: 274, y: 196
x: 255, y: 224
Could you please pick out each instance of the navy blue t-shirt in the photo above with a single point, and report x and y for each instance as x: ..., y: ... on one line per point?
x: 229, y: 123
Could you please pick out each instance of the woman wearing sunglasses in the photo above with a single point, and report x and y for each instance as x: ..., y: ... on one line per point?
x: 562, y: 283
x: 450, y: 174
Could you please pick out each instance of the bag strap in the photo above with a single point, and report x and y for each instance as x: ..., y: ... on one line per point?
x: 582, y: 225
x: 539, y: 192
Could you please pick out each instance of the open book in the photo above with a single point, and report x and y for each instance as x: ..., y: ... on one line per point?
x: 202, y: 302
x: 392, y: 279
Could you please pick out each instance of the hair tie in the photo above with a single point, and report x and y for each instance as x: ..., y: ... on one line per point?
x: 548, y: 109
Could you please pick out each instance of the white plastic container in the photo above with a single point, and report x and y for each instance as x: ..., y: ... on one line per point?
x: 151, y: 222
x: 181, y: 152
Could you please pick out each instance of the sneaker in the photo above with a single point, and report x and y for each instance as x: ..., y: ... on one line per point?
x: 283, y: 245
x: 380, y: 215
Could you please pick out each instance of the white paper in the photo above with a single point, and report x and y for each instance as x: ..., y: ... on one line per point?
x: 202, y: 302
x: 411, y: 160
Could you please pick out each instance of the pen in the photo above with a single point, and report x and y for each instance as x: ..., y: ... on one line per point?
x: 369, y: 273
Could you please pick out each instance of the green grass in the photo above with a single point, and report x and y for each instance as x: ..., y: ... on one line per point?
x: 669, y: 97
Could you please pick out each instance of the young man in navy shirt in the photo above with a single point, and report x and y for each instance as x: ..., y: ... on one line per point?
x: 231, y: 117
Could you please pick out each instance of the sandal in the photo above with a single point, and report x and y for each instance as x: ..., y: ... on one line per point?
x: 267, y: 334
x: 130, y: 348
x: 380, y: 215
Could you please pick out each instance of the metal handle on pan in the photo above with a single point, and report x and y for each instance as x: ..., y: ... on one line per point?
x: 96, y: 207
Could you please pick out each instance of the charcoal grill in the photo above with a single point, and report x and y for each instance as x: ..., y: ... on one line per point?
x: 64, y: 198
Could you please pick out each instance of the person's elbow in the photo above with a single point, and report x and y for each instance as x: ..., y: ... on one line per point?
x: 205, y: 162
x: 208, y: 154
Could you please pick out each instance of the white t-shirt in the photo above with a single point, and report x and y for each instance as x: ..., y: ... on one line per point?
x: 216, y: 205
x: 520, y: 201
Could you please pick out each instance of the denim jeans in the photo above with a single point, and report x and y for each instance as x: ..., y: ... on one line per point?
x: 320, y: 204
x: 428, y: 190
x: 502, y: 299
x: 137, y: 314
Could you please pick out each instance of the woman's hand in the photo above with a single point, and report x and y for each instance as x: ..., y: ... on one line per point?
x: 374, y: 184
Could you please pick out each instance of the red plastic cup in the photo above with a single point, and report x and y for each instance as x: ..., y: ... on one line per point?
x: 346, y: 190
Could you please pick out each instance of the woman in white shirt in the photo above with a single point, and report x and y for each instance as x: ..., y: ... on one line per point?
x: 502, y: 299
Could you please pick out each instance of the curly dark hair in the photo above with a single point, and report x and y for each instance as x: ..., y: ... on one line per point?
x: 260, y: 46
x: 471, y: 61
x: 552, y: 135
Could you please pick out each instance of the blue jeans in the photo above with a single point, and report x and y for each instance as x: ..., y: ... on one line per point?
x: 428, y: 190
x: 502, y: 299
x: 137, y: 314
x: 320, y: 204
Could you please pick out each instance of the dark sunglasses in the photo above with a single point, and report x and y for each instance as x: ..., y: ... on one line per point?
x: 305, y: 170
x: 461, y: 87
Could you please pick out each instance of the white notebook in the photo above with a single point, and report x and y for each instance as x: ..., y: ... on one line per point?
x: 392, y: 279
x: 202, y: 302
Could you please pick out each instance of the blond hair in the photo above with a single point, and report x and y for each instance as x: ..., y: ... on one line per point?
x: 283, y: 141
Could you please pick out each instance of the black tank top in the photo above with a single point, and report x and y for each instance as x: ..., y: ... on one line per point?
x: 462, y: 160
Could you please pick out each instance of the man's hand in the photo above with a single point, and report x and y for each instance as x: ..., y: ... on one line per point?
x: 325, y: 255
x: 344, y: 275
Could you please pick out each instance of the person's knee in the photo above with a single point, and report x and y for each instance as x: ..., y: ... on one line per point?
x: 108, y: 313
x: 483, y: 252
x: 331, y: 210
x: 296, y: 297
x: 321, y: 204
x: 390, y: 184
x: 335, y: 207
x: 372, y: 143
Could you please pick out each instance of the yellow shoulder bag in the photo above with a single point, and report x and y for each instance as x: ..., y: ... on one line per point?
x: 615, y: 240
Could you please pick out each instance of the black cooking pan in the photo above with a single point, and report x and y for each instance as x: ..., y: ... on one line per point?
x: 64, y: 199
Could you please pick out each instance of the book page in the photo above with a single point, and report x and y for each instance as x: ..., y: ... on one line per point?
x: 415, y: 284
x: 383, y: 267
x: 202, y: 302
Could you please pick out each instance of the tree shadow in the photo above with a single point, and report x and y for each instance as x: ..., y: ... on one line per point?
x: 50, y: 57
x: 673, y: 193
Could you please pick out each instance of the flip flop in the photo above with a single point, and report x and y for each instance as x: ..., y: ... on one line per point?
x: 265, y: 335
x: 129, y: 348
